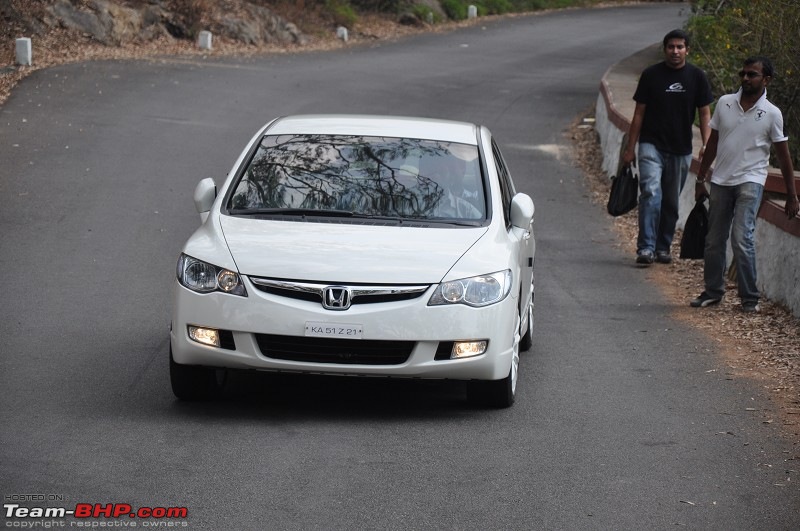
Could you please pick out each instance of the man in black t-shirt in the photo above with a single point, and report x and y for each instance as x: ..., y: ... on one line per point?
x: 667, y: 97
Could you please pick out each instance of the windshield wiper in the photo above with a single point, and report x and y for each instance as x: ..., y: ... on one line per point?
x: 323, y: 213
x: 311, y: 212
x: 381, y: 217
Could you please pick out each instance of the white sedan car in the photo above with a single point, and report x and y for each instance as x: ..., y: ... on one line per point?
x: 359, y: 245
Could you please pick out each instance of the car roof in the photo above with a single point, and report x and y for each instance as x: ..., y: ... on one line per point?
x: 373, y: 125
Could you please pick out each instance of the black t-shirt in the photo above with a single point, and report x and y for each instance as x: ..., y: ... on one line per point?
x: 672, y: 97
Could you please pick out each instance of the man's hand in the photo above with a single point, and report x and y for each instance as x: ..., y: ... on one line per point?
x: 628, y: 157
x: 700, y: 191
x: 792, y: 207
x: 785, y: 163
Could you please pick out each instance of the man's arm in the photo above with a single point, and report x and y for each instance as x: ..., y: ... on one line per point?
x: 705, y: 130
x: 709, y: 154
x: 785, y: 162
x: 629, y: 154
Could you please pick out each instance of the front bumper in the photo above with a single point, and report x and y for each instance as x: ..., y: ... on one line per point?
x: 254, y: 322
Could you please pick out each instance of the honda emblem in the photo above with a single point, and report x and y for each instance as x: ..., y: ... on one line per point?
x: 336, y: 298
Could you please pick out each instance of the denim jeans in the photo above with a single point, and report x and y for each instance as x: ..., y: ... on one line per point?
x: 661, y: 179
x: 737, y: 206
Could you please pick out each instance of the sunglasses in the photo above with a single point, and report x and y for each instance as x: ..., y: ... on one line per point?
x: 749, y: 74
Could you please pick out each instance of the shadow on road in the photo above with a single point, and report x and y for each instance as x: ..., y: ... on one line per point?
x: 252, y: 394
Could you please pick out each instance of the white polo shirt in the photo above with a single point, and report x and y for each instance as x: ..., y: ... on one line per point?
x: 745, y: 139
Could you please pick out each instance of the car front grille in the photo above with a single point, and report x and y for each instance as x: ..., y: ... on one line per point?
x: 359, y: 294
x: 341, y: 351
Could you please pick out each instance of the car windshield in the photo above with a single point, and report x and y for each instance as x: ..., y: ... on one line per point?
x: 360, y: 176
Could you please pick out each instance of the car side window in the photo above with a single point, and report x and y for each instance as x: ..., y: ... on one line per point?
x: 506, y: 185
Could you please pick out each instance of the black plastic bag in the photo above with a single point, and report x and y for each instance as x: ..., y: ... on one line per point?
x: 624, y: 194
x: 693, y: 241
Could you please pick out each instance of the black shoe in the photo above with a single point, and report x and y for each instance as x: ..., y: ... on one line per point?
x: 645, y: 257
x: 704, y: 300
x: 663, y: 257
x: 751, y: 307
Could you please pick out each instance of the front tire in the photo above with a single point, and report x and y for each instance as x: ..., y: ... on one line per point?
x: 497, y: 393
x: 190, y: 382
x: 493, y: 393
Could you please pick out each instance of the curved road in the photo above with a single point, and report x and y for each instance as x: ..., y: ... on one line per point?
x: 626, y: 419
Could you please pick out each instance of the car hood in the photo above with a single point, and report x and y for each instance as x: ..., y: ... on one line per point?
x: 345, y: 253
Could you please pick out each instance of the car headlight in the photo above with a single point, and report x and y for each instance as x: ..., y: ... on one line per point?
x: 482, y: 290
x: 203, y: 277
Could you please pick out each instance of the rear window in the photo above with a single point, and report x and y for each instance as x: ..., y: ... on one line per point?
x: 360, y: 176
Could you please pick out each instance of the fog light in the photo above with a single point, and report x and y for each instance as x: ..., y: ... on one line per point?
x: 206, y: 336
x: 467, y: 349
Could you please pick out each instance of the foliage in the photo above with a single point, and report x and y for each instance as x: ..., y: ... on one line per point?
x: 535, y: 5
x: 494, y: 7
x: 454, y: 9
x: 725, y: 32
x: 342, y: 12
x: 378, y: 6
x: 423, y: 12
x: 457, y: 9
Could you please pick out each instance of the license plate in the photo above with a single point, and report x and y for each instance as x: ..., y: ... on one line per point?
x: 336, y: 330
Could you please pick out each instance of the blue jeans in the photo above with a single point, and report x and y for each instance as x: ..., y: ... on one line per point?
x: 661, y: 179
x: 738, y: 206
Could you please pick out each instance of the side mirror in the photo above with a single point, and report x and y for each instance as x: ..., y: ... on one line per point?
x: 522, y: 211
x: 204, y: 194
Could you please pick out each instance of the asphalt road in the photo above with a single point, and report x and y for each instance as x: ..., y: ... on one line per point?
x: 625, y: 418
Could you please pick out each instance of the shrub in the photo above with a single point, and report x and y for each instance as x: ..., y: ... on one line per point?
x: 454, y: 9
x: 342, y: 13
x: 726, y: 33
x: 378, y: 6
x: 494, y: 7
x: 424, y: 12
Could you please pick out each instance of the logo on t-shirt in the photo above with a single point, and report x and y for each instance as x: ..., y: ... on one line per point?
x: 676, y: 87
x: 760, y: 114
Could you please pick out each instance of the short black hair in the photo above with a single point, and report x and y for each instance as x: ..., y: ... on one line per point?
x: 766, y: 64
x: 676, y: 34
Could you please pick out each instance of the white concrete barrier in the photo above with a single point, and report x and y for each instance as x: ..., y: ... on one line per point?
x: 24, y: 51
x: 341, y: 33
x: 204, y: 40
x: 472, y: 12
x: 778, y: 265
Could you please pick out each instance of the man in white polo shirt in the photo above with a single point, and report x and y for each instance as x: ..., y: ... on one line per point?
x: 743, y: 128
